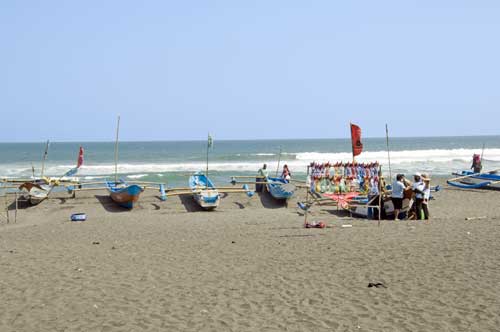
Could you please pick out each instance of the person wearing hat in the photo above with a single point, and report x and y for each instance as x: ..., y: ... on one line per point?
x: 427, y: 195
x: 418, y: 189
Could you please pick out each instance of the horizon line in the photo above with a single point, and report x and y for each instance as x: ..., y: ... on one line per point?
x: 242, y: 139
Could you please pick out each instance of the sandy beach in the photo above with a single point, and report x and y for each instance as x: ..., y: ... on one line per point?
x: 249, y: 266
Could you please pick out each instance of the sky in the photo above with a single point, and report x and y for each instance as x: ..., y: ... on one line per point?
x: 176, y: 70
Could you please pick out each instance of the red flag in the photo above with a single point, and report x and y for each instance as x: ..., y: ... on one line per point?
x: 80, y: 158
x: 357, y: 146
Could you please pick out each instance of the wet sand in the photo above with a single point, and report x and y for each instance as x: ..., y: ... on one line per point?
x: 249, y: 266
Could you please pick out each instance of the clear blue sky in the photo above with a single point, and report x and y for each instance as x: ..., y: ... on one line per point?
x: 178, y: 69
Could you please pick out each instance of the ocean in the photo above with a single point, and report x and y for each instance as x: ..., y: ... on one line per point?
x: 173, y: 162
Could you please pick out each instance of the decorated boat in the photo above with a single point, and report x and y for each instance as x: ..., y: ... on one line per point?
x: 204, y: 191
x: 124, y: 194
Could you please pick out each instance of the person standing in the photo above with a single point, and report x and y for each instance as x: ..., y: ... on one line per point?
x: 418, y: 189
x: 262, y: 174
x: 397, y: 196
x: 477, y: 164
x: 286, y: 175
x: 427, y: 196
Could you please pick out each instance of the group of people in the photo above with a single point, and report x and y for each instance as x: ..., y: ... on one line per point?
x: 421, y: 190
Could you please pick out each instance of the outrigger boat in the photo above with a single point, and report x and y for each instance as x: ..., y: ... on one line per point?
x: 38, y: 190
x: 204, y: 191
x: 121, y: 192
x: 471, y: 180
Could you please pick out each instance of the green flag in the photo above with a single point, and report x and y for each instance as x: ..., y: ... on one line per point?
x: 210, y: 142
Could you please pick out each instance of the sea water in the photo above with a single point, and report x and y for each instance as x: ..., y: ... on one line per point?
x: 172, y: 162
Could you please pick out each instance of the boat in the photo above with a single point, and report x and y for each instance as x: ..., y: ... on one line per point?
x: 279, y: 188
x: 34, y: 193
x: 204, y: 191
x: 471, y: 180
x: 123, y: 194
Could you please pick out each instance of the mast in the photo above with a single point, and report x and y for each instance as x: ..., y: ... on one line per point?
x: 44, y: 158
x: 279, y: 161
x: 116, y: 149
x: 388, y: 150
x: 352, y: 143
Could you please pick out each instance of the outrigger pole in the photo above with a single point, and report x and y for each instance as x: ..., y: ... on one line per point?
x: 116, y: 149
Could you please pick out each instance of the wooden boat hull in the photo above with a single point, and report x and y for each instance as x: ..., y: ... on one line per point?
x: 279, y: 188
x: 124, y: 195
x: 204, y: 192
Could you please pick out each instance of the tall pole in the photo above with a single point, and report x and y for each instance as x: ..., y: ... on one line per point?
x: 307, y: 197
x: 352, y: 145
x: 208, y: 148
x: 44, y: 158
x: 388, y: 150
x: 279, y: 161
x: 482, y: 154
x: 380, y: 206
x: 116, y: 149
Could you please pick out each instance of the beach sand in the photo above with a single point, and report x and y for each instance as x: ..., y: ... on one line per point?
x: 248, y: 266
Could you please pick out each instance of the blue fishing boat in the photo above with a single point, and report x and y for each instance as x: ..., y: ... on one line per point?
x: 279, y: 188
x: 471, y: 180
x: 124, y: 194
x: 204, y: 191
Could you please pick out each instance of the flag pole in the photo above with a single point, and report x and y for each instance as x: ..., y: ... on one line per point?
x: 208, y: 148
x: 482, y: 154
x: 116, y: 150
x: 352, y: 145
x: 388, y: 150
x: 44, y: 158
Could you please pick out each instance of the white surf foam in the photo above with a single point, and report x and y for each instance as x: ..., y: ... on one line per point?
x: 437, y: 161
x: 137, y: 176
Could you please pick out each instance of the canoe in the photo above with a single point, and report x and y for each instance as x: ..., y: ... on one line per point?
x: 124, y: 194
x: 482, y: 180
x: 204, y: 191
x: 279, y: 188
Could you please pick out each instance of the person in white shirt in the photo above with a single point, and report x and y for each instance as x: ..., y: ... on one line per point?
x: 418, y: 189
x: 427, y: 196
x: 398, y: 192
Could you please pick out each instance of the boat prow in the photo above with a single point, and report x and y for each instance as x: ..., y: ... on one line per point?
x: 279, y: 188
x: 204, y: 191
x: 34, y: 193
x: 123, y: 194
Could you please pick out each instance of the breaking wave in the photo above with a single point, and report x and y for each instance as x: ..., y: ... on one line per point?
x: 434, y: 161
